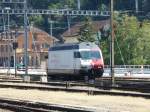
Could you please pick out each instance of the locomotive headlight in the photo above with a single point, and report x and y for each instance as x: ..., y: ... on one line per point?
x: 99, y: 66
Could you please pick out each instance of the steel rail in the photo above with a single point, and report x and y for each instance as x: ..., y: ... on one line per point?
x: 4, y: 78
x: 124, y: 80
x: 11, y: 78
x: 127, y: 78
x: 93, y: 91
x: 29, y: 106
x: 142, y: 85
x: 122, y: 83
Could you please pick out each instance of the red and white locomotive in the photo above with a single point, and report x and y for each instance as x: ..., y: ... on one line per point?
x: 80, y: 59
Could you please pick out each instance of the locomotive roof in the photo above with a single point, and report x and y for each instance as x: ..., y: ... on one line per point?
x: 69, y: 46
x: 64, y: 47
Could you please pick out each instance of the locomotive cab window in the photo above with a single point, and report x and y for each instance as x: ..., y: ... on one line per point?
x: 90, y: 55
x: 77, y: 55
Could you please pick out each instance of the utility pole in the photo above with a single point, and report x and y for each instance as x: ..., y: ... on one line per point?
x: 112, y: 46
x: 25, y: 38
x: 51, y: 26
x: 136, y: 6
x: 15, y: 45
x: 68, y: 22
x: 68, y: 19
x: 79, y: 4
x: 8, y: 43
x: 8, y: 35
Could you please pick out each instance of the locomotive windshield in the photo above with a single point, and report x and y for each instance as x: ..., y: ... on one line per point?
x: 90, y: 55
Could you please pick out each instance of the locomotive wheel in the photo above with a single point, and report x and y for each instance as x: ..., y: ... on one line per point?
x: 91, y: 74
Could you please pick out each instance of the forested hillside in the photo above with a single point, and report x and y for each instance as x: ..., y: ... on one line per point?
x: 43, y: 22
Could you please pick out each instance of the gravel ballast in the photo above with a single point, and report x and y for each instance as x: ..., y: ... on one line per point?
x: 100, y: 103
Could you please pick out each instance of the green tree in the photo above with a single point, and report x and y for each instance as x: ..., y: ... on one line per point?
x: 125, y: 36
x: 145, y: 41
x: 86, y: 31
x: 103, y: 7
x: 62, y: 4
x: 38, y: 20
x: 38, y: 4
x: 132, y: 40
x: 104, y: 45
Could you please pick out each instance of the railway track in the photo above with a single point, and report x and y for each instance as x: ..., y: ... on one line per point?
x: 123, y: 79
x: 98, y: 87
x: 126, y: 78
x: 126, y: 81
x: 140, y: 83
x: 103, y: 83
x: 28, y: 106
x: 85, y: 89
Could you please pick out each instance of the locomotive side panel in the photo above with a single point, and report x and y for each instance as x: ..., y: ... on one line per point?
x: 76, y: 59
x: 60, y: 62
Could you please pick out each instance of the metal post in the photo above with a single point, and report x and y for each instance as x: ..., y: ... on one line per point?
x: 15, y: 62
x: 8, y: 30
x: 68, y: 19
x: 25, y: 38
x: 51, y: 27
x: 68, y: 22
x: 112, y: 46
x: 8, y: 44
x: 15, y: 47
x: 3, y: 61
x: 78, y: 4
x: 136, y: 6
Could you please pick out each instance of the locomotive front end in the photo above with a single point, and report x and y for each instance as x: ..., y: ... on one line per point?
x: 97, y: 68
x: 92, y: 63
